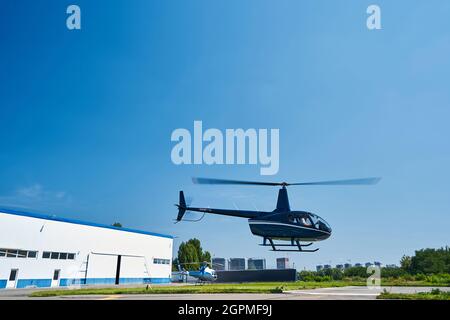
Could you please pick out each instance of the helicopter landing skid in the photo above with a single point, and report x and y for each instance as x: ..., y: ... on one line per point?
x: 294, y: 243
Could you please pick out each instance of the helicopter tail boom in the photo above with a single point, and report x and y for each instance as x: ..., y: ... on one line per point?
x: 182, y: 208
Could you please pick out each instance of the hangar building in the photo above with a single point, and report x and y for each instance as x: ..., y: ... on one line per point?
x: 47, y: 251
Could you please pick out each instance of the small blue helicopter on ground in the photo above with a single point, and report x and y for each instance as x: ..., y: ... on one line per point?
x: 281, y: 223
x: 204, y: 274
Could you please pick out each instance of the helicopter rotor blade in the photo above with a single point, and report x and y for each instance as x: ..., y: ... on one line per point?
x: 237, y: 182
x: 347, y: 182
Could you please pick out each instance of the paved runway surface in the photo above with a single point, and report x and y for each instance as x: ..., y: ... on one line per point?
x: 343, y: 293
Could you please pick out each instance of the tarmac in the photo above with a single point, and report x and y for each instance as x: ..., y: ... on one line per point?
x: 342, y: 293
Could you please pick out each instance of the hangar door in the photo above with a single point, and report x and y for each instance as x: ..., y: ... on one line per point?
x: 133, y: 270
x: 115, y: 269
x: 101, y: 269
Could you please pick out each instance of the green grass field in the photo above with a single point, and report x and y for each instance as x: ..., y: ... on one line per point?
x: 412, y: 283
x: 259, y: 287
x: 435, y: 294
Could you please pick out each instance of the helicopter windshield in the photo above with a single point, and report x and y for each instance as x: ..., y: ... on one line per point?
x: 319, y: 223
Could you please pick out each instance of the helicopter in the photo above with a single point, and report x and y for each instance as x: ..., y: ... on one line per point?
x: 204, y: 274
x: 281, y: 224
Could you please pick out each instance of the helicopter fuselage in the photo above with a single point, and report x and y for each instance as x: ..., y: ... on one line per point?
x: 205, y: 274
x: 292, y: 225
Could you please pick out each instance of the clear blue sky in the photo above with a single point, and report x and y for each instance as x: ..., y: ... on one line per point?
x: 86, y: 116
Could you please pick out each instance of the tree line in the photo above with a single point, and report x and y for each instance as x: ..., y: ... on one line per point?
x: 429, y: 264
x: 191, y: 255
x: 427, y: 261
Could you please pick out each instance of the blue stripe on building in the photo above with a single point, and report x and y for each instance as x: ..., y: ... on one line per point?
x: 112, y: 281
x: 45, y: 283
x: 39, y: 283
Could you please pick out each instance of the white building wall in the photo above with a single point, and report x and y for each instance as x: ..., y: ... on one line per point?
x: 94, y: 246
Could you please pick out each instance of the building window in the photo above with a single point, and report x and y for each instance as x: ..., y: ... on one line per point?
x: 16, y: 253
x: 13, y: 275
x: 22, y: 254
x: 161, y: 261
x: 56, y: 275
x: 11, y: 253
x: 58, y: 255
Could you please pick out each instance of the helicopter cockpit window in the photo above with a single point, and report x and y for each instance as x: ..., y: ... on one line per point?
x: 314, y: 219
x: 303, y: 221
x: 319, y: 223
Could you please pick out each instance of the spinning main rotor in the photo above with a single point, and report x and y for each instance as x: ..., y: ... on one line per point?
x: 347, y: 182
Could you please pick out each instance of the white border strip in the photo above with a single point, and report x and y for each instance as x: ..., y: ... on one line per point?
x: 286, y: 224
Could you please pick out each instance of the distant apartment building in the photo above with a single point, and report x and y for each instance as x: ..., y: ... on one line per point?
x: 236, y: 264
x: 219, y: 264
x: 282, y: 263
x: 256, y: 264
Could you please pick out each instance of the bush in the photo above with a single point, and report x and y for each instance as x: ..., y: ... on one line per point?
x: 420, y: 277
x: 360, y: 272
x: 388, y: 272
x: 439, y: 278
x: 436, y: 291
x: 408, y: 277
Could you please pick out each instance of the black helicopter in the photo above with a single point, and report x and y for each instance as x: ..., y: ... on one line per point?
x: 281, y: 223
